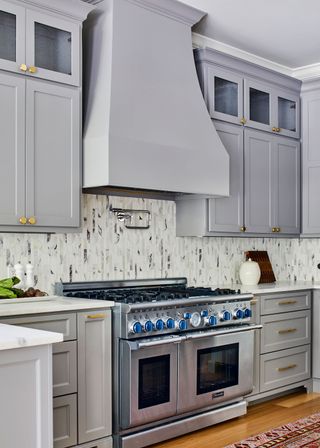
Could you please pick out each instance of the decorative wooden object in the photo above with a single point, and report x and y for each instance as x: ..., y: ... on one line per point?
x: 262, y: 258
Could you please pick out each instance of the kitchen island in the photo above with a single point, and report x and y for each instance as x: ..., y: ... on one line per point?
x: 26, y: 387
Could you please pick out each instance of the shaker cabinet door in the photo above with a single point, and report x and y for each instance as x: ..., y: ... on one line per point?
x: 12, y: 132
x: 53, y: 156
x: 258, y: 105
x: 287, y: 110
x: 287, y: 185
x: 52, y: 48
x: 226, y: 214
x: 12, y: 36
x: 258, y: 185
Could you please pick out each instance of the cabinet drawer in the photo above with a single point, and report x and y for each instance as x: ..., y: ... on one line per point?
x: 285, y: 331
x: 279, y: 369
x: 103, y: 443
x: 65, y: 421
x: 283, y: 303
x: 64, y: 365
x: 59, y: 323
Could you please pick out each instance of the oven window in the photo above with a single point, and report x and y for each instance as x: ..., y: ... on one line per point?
x: 217, y: 368
x: 154, y: 381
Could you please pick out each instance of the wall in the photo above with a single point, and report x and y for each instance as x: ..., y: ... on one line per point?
x: 106, y: 250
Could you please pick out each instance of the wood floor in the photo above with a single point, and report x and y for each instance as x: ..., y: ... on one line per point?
x: 260, y: 418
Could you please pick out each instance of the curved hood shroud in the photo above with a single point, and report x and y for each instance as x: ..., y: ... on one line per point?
x: 146, y: 123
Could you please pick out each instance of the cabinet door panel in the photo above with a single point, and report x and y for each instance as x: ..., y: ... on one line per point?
x: 259, y: 162
x: 12, y: 36
x: 225, y: 95
x: 12, y: 131
x: 226, y: 214
x: 53, y: 154
x: 258, y: 105
x: 53, y: 47
x: 288, y: 114
x: 287, y: 183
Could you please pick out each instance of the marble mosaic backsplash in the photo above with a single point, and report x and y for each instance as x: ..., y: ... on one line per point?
x: 105, y: 249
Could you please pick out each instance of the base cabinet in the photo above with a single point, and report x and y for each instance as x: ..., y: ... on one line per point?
x: 65, y: 421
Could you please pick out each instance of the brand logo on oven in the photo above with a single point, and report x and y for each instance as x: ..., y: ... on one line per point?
x: 217, y: 395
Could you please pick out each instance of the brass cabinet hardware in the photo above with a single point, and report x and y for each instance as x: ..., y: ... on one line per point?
x: 274, y: 129
x: 288, y: 330
x: 287, y: 302
x: 23, y: 220
x: 243, y: 120
x: 23, y: 68
x: 274, y: 229
x: 278, y: 130
x: 278, y: 229
x: 283, y: 369
x: 96, y: 316
x: 32, y: 220
x: 253, y: 301
x: 243, y: 229
x: 32, y: 69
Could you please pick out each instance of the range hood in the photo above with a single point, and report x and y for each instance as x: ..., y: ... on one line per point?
x: 146, y: 126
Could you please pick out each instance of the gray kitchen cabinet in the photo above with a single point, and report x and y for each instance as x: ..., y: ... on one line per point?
x: 40, y: 40
x: 65, y: 421
x: 310, y: 159
x: 12, y: 131
x: 64, y: 365
x: 94, y: 375
x: 226, y: 214
x: 52, y: 154
x: 258, y: 104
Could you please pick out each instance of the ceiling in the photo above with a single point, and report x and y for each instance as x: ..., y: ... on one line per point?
x: 284, y: 31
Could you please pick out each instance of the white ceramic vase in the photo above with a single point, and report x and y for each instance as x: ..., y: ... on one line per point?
x: 249, y: 273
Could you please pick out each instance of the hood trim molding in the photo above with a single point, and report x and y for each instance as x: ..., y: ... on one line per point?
x: 174, y: 10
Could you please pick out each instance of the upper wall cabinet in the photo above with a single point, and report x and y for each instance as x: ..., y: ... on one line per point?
x: 39, y: 43
x: 244, y: 94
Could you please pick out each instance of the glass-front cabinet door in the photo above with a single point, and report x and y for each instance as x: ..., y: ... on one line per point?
x: 52, y: 48
x: 258, y: 105
x: 287, y: 112
x: 12, y: 36
x: 225, y: 96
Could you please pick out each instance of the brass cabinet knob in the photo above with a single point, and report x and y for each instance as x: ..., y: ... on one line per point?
x: 32, y: 69
x: 278, y: 229
x: 278, y: 129
x: 274, y: 129
x: 274, y: 230
x: 23, y: 68
x: 243, y: 229
x: 243, y: 120
x: 23, y: 220
x: 32, y: 220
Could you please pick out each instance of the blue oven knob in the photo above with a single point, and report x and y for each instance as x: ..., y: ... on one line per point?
x: 148, y: 326
x: 170, y: 323
x: 159, y: 324
x: 182, y: 324
x: 226, y: 315
x: 204, y: 313
x: 137, y: 328
x: 187, y: 315
x: 247, y: 312
x: 238, y: 314
x: 212, y: 321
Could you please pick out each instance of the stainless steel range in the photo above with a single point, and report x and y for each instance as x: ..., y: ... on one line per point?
x: 182, y: 357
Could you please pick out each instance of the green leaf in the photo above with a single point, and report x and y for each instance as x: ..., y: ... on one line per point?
x: 7, y: 293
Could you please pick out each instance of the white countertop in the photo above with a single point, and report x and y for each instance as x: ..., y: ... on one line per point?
x: 20, y: 337
x: 267, y: 288
x: 48, y: 304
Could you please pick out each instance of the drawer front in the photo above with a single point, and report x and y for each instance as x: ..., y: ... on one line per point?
x: 286, y: 302
x: 64, y: 367
x: 285, y: 331
x: 285, y: 367
x: 59, y: 323
x: 103, y: 443
x: 65, y: 421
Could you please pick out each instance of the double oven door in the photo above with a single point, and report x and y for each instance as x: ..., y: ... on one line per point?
x: 160, y: 378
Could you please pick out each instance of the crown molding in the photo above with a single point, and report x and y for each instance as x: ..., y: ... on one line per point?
x: 304, y: 73
x: 75, y: 9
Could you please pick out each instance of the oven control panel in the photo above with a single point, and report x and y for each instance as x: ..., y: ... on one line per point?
x: 156, y: 321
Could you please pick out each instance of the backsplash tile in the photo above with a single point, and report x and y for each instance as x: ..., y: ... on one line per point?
x: 105, y: 249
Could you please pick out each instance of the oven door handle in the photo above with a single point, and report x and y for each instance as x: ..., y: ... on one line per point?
x: 136, y: 345
x: 207, y: 334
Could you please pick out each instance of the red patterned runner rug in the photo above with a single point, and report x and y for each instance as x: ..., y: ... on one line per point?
x: 302, y: 433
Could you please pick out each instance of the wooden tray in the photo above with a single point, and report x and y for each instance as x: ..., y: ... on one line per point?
x: 262, y: 258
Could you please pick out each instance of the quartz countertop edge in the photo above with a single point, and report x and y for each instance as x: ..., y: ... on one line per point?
x: 277, y: 287
x: 12, y: 337
x: 49, y: 304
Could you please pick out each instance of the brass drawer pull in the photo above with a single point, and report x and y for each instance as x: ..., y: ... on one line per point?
x: 288, y: 330
x: 287, y: 302
x: 283, y: 369
x: 96, y: 316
